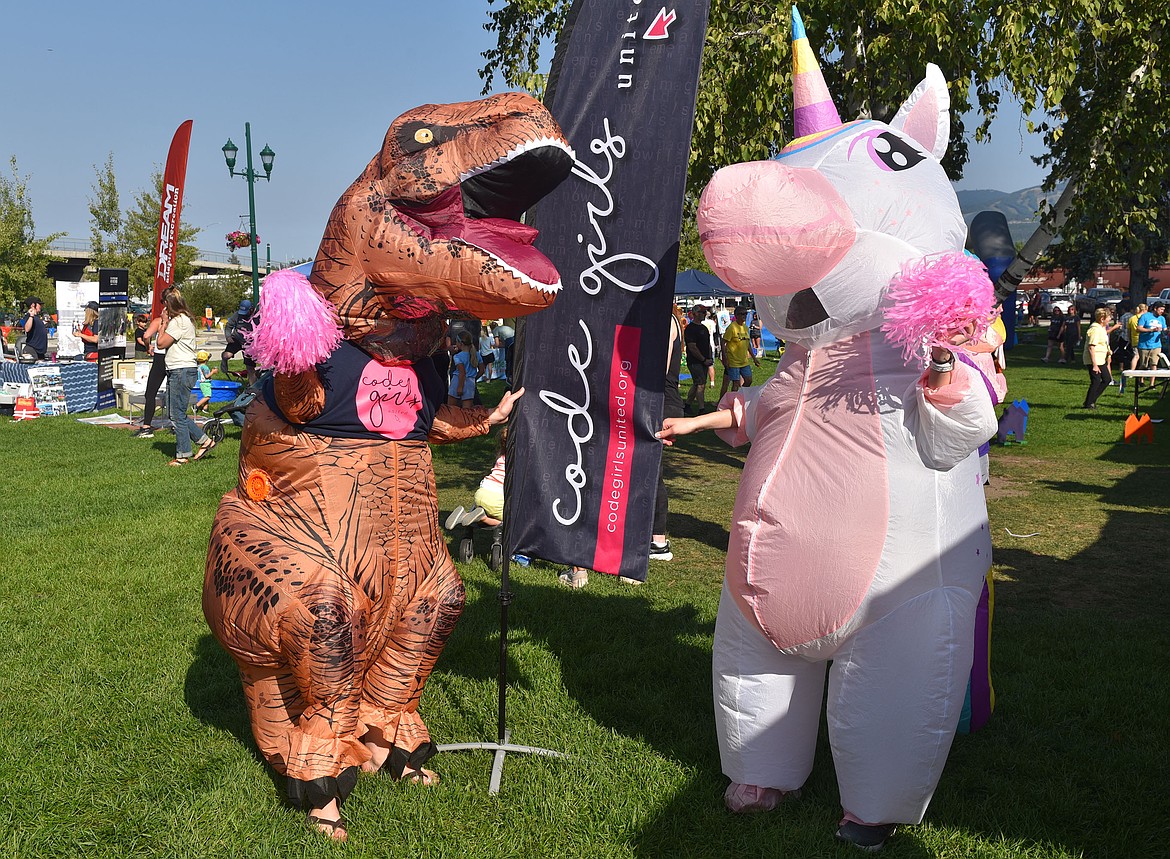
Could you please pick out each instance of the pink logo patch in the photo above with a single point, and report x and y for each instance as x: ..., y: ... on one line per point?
x: 388, y: 399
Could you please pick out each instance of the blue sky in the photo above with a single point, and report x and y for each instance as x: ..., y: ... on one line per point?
x: 318, y: 82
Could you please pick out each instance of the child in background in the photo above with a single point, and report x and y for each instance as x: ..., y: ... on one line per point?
x: 489, y: 497
x: 205, y: 374
x: 465, y: 368
x: 141, y: 339
x: 488, y: 512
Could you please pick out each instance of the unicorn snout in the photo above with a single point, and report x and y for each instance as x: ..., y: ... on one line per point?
x: 770, y: 229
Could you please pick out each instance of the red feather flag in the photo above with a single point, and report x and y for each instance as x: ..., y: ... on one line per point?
x: 168, y: 219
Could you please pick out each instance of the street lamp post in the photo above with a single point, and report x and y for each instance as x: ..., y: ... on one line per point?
x: 267, y: 156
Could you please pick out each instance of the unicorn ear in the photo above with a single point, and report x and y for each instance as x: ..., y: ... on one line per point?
x: 925, y: 116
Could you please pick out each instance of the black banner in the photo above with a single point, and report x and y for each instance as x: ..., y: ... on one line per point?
x: 113, y: 301
x: 583, y: 461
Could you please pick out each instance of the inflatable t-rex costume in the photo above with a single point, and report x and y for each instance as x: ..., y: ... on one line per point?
x: 327, y: 579
x: 860, y: 532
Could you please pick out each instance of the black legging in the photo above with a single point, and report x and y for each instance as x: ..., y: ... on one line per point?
x: 672, y: 408
x: 158, y: 372
x: 1098, y: 383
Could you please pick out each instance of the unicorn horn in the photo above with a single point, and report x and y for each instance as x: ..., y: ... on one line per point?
x: 814, y: 108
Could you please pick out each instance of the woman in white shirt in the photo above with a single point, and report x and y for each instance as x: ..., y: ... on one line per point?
x: 178, y: 338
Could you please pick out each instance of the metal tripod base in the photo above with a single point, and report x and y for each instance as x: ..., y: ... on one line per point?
x: 500, y: 750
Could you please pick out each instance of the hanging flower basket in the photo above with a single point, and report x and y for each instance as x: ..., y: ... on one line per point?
x: 238, y: 239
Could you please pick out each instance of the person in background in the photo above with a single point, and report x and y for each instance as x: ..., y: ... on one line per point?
x: 756, y: 335
x: 712, y: 326
x: 489, y: 497
x: 506, y: 338
x: 487, y: 355
x: 736, y: 357
x: 205, y: 374
x: 1131, y: 330
x: 1097, y: 356
x: 1070, y: 336
x: 141, y: 341
x: 672, y: 407
x: 36, y: 336
x: 498, y: 348
x: 1055, y: 325
x: 465, y: 369
x: 178, y: 338
x: 700, y: 361
x: 1034, y: 307
x: 234, y: 331
x: 158, y: 371
x: 87, y: 333
x: 1150, y: 326
x: 1125, y: 348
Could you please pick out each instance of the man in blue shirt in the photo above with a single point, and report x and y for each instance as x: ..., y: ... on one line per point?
x: 36, y: 336
x: 1150, y: 327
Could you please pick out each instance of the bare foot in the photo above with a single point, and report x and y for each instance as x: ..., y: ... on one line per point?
x: 379, y: 750
x: 748, y: 798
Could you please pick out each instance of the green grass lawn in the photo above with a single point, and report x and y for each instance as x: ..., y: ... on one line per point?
x: 123, y: 730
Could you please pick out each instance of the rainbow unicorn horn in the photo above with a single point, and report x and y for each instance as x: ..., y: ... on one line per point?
x: 814, y: 108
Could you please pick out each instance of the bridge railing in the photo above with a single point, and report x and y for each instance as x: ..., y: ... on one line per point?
x: 81, y: 248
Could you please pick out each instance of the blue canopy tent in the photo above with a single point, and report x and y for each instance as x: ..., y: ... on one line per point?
x: 693, y: 282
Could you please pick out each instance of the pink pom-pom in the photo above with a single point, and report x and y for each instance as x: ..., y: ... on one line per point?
x: 297, y: 328
x: 940, y: 300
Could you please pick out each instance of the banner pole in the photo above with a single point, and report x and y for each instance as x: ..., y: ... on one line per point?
x: 502, y: 746
x: 505, y: 597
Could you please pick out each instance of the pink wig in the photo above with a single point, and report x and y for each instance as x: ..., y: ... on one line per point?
x: 940, y: 300
x: 297, y: 328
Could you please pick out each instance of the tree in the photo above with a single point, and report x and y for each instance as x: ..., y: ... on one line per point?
x: 1093, y: 67
x: 129, y: 239
x: 23, y: 257
x: 872, y: 53
x: 222, y: 293
x: 1100, y: 75
x: 105, y: 224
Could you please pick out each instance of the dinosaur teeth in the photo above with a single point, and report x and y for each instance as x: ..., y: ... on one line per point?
x: 518, y: 150
x: 546, y: 288
x: 526, y: 279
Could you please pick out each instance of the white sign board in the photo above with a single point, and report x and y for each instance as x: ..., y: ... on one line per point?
x: 72, y: 296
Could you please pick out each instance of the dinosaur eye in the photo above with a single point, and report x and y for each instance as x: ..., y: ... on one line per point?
x: 415, y: 137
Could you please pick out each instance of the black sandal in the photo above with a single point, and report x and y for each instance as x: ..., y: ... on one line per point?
x: 315, y: 823
x: 204, y: 449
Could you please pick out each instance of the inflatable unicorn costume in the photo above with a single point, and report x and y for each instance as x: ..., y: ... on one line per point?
x: 860, y: 532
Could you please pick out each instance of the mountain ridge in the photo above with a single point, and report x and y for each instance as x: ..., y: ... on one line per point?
x: 1019, y: 207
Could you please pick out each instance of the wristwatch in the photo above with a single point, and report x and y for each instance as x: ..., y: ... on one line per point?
x: 943, y: 367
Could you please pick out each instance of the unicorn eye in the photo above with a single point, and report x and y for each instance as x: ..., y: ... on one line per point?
x: 893, y: 152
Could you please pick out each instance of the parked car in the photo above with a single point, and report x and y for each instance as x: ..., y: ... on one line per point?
x: 1061, y: 300
x: 1088, y: 302
x: 1164, y: 295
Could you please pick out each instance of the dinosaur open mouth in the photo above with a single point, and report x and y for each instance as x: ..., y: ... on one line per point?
x: 485, y: 208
